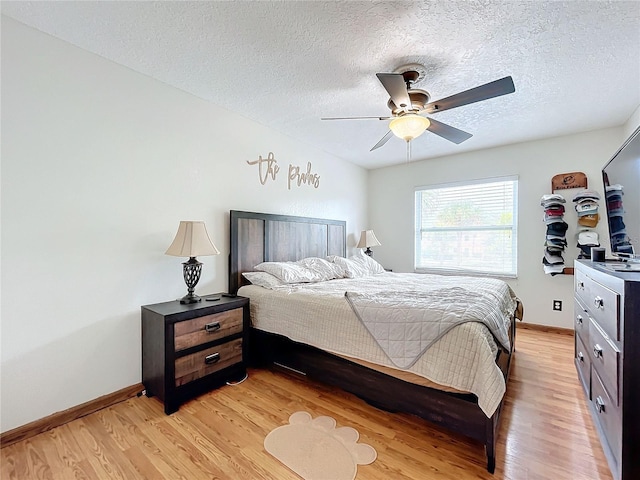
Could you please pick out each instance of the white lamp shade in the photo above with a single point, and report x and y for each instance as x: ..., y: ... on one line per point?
x: 192, y: 240
x: 409, y: 126
x: 368, y: 239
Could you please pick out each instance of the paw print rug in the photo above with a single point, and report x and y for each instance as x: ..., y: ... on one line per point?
x: 316, y: 450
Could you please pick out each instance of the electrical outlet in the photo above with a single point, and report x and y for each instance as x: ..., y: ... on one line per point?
x: 557, y: 305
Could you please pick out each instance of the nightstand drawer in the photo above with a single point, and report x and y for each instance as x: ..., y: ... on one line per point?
x: 607, y: 415
x: 205, y: 329
x: 604, y: 358
x: 210, y: 360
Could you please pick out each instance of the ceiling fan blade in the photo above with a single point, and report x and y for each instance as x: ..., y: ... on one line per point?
x: 355, y: 118
x: 396, y: 88
x: 483, y: 92
x: 382, y: 141
x: 448, y: 132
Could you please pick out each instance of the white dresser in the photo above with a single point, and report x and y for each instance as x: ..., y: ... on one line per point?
x: 607, y: 357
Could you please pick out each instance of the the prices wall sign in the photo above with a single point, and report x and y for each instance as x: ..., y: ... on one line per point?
x: 268, y: 169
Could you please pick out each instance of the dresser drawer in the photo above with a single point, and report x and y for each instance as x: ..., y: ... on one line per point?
x: 210, y: 360
x: 607, y: 415
x: 581, y: 321
x: 205, y: 329
x: 605, y: 309
x: 581, y: 283
x: 604, y: 358
x: 583, y: 364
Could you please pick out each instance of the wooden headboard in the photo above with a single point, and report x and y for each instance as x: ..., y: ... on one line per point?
x: 265, y: 237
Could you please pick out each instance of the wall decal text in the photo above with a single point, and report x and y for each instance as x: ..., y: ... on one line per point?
x: 264, y: 171
x: 268, y: 168
x: 306, y: 177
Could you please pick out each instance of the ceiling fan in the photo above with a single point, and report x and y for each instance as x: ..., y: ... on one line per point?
x: 408, y: 105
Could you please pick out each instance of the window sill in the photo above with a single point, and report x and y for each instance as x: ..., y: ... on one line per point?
x: 466, y: 273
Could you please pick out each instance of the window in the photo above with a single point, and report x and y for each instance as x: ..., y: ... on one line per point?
x: 468, y: 228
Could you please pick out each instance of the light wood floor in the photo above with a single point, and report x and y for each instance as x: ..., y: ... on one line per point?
x: 546, y: 432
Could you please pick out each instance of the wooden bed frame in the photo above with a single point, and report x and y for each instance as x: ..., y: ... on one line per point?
x: 259, y: 237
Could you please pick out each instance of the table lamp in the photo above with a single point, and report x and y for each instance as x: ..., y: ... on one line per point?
x: 368, y: 239
x: 192, y: 240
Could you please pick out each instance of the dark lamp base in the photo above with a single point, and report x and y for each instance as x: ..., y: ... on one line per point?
x: 190, y: 298
x: 191, y: 271
x: 369, y: 252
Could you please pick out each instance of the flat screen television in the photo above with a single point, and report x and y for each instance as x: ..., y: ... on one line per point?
x: 621, y: 178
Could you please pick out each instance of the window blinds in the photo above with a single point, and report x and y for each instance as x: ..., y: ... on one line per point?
x: 468, y: 227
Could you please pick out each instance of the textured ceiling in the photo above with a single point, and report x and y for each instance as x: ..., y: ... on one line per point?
x: 575, y: 65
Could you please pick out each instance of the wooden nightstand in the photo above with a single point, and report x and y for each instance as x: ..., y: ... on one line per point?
x: 191, y: 349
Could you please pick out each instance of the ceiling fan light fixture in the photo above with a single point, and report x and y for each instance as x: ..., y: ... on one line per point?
x: 409, y: 126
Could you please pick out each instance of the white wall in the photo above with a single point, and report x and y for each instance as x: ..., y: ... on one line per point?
x: 99, y: 165
x: 631, y: 124
x: 391, y: 208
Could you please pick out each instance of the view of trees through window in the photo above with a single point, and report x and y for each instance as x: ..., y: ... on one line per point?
x: 467, y: 227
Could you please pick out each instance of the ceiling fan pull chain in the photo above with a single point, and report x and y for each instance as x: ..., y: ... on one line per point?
x: 408, y: 150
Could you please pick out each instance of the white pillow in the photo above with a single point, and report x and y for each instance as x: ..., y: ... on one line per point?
x: 263, y: 279
x: 368, y: 263
x: 307, y: 270
x: 288, y: 272
x: 352, y: 269
x: 326, y: 270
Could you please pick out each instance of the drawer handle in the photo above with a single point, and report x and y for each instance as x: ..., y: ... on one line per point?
x: 579, y: 319
x: 597, y: 350
x: 581, y: 285
x: 211, y: 359
x: 212, y: 327
x: 599, y: 404
x: 598, y: 302
x: 580, y: 356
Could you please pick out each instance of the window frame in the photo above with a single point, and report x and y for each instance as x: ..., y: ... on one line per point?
x: 419, y: 229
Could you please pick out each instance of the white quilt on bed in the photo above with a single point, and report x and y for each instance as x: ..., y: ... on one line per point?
x: 406, y: 321
x: 319, y: 315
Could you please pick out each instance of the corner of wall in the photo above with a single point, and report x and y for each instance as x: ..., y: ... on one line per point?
x: 632, y: 123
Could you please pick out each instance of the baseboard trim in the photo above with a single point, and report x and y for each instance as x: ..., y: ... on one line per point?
x: 545, y: 328
x: 60, y: 418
